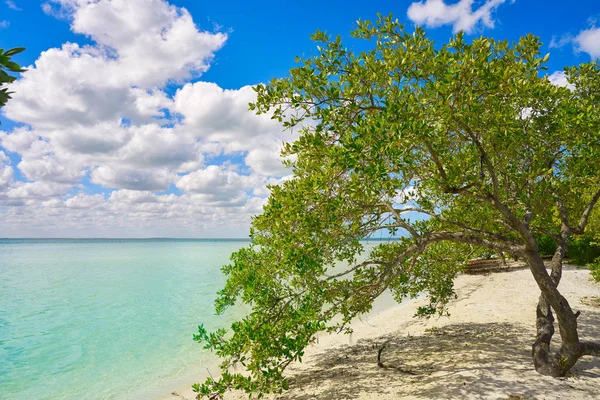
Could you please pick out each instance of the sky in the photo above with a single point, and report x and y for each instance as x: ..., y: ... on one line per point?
x: 132, y: 117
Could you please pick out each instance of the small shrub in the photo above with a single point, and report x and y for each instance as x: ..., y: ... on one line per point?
x: 546, y: 245
x: 595, y: 269
x: 583, y: 250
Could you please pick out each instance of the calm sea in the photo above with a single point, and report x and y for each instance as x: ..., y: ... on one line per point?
x: 106, y: 319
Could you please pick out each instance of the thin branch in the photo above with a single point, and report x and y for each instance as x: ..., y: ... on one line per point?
x: 488, y: 235
x: 354, y: 268
x: 564, y: 216
x: 586, y: 214
x: 436, y: 160
x: 400, y: 221
x: 484, y: 158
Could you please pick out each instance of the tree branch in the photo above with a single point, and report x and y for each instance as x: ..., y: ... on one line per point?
x: 484, y: 158
x: 563, y: 213
x: 485, y: 234
x: 586, y: 214
x: 354, y: 268
x: 436, y: 160
x: 400, y: 221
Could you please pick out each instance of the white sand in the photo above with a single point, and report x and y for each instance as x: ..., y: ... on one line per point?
x: 482, y: 351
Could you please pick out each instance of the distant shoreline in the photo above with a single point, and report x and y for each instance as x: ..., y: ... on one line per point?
x: 163, y: 239
x: 132, y: 239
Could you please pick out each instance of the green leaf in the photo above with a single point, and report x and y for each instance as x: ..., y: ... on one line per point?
x: 14, y: 51
x: 546, y: 57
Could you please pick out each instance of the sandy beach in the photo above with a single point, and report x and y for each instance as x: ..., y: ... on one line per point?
x: 481, y: 351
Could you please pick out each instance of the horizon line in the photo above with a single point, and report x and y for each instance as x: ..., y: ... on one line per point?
x: 152, y: 238
x: 124, y: 238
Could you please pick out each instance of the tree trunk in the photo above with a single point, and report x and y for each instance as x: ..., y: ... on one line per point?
x: 502, y: 258
x: 545, y: 361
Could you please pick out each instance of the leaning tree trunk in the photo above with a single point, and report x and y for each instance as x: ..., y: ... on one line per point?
x: 543, y: 360
x: 571, y: 348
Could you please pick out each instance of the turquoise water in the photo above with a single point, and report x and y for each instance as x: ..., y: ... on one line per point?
x: 105, y: 319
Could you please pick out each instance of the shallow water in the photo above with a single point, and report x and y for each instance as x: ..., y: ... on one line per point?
x: 105, y: 319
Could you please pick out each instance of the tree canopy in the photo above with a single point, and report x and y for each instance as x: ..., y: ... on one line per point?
x: 455, y: 150
x: 6, y: 65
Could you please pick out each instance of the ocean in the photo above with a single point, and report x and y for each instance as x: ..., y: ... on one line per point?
x: 107, y: 319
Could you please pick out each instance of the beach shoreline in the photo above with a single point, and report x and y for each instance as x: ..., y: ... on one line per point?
x: 481, y: 351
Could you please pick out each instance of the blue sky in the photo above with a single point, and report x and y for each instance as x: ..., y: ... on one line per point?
x: 141, y: 129
x: 266, y: 35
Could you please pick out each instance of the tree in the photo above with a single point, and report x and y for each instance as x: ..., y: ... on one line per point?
x: 7, y: 65
x: 594, y: 232
x: 459, y: 150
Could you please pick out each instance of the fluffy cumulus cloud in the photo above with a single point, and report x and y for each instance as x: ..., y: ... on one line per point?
x: 140, y: 45
x: 461, y: 15
x: 587, y: 41
x: 221, y: 119
x: 559, y: 78
x: 6, y: 171
x: 101, y: 148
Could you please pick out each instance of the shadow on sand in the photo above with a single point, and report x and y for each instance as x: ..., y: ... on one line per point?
x: 478, y: 361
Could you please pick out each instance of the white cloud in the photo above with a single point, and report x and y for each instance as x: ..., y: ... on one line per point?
x: 12, y: 5
x: 48, y: 169
x: 84, y: 201
x: 461, y: 15
x: 133, y: 196
x: 264, y: 192
x: 126, y: 213
x: 587, y: 41
x: 31, y: 191
x: 559, y: 78
x: 526, y: 113
x: 217, y: 184
x: 154, y: 146
x: 266, y: 161
x: 151, y: 103
x: 222, y: 117
x: 154, y: 41
x: 4, y: 24
x: 6, y: 172
x: 140, y: 45
x: 106, y: 137
x: 218, y: 115
x: 24, y: 141
x: 100, y: 113
x: 4, y: 158
x: 132, y: 178
x: 564, y: 40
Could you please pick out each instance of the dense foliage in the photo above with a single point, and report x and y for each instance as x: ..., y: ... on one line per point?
x: 583, y: 249
x: 460, y: 150
x: 595, y: 269
x: 6, y: 66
